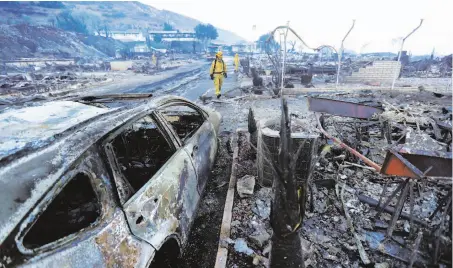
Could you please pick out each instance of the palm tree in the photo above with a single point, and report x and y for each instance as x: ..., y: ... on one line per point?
x: 288, y: 203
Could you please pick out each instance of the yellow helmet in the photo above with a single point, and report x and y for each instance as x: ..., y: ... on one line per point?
x: 219, y: 54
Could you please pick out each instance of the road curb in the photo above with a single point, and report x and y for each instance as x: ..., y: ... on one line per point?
x: 222, y: 252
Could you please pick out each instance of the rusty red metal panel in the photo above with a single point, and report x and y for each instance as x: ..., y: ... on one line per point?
x: 439, y: 163
x: 395, y: 165
x: 405, y: 162
x: 342, y: 108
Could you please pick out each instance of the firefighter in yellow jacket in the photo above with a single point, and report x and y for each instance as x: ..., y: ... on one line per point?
x: 236, y: 62
x: 218, y: 71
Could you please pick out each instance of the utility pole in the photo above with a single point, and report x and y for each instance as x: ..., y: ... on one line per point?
x: 341, y: 53
x: 395, y: 69
x: 284, y: 58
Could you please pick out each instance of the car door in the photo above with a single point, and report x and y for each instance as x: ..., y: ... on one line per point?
x: 78, y: 224
x: 196, y: 134
x: 153, y: 176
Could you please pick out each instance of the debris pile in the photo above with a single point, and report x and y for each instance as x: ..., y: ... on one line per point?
x: 38, y: 83
x: 315, y: 70
x: 250, y: 227
x: 367, y: 213
x: 146, y: 66
x: 380, y: 192
x: 429, y: 67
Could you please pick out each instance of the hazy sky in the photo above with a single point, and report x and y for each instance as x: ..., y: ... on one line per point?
x: 379, y: 24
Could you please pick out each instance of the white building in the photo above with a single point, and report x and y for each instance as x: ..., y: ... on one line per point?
x: 137, y: 36
x: 126, y: 36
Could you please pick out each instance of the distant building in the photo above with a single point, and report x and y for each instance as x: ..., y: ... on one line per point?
x: 141, y: 48
x: 378, y: 56
x: 239, y: 48
x: 125, y: 36
x: 138, y: 36
x: 171, y: 36
x: 181, y: 40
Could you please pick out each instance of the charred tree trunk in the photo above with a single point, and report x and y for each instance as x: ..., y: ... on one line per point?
x: 286, y: 209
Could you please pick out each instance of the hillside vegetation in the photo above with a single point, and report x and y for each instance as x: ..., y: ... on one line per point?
x: 27, y: 41
x: 97, y: 16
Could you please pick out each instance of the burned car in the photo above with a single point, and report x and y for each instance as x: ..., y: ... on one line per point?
x: 106, y: 181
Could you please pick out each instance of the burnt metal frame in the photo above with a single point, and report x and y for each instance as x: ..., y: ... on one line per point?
x: 397, y: 158
x: 168, y: 126
x: 406, y: 187
x: 342, y: 108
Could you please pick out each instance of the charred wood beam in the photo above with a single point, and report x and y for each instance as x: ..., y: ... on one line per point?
x: 398, y: 209
x: 373, y: 202
x: 415, y: 249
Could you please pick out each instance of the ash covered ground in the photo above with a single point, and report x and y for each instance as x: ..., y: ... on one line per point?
x: 342, y: 227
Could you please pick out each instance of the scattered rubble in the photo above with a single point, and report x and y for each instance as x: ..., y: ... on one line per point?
x: 38, y: 83
x: 342, y: 225
x: 241, y: 246
x: 245, y: 185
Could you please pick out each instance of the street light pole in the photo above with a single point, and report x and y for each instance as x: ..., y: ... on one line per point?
x: 395, y: 69
x: 341, y: 53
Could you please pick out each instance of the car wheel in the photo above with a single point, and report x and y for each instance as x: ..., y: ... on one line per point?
x: 167, y: 257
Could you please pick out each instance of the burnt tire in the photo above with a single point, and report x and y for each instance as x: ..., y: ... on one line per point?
x: 168, y: 256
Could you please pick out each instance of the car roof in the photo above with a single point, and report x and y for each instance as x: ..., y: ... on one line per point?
x: 36, y: 126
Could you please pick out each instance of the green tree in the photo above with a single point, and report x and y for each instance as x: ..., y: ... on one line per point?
x: 211, y: 31
x: 158, y: 38
x: 205, y: 33
x: 168, y: 27
x: 267, y: 46
x: 66, y: 21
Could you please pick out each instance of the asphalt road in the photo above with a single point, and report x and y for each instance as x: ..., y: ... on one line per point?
x: 195, y: 89
x: 190, y: 85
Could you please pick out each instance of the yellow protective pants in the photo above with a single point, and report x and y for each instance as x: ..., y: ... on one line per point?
x: 218, y: 81
x: 236, y: 67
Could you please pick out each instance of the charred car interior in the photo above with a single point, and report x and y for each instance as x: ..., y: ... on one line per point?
x: 74, y: 208
x: 141, y: 150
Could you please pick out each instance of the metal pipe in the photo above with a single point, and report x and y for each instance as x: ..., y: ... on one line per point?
x: 341, y: 53
x: 325, y: 46
x: 271, y: 34
x: 395, y: 69
x: 342, y: 144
